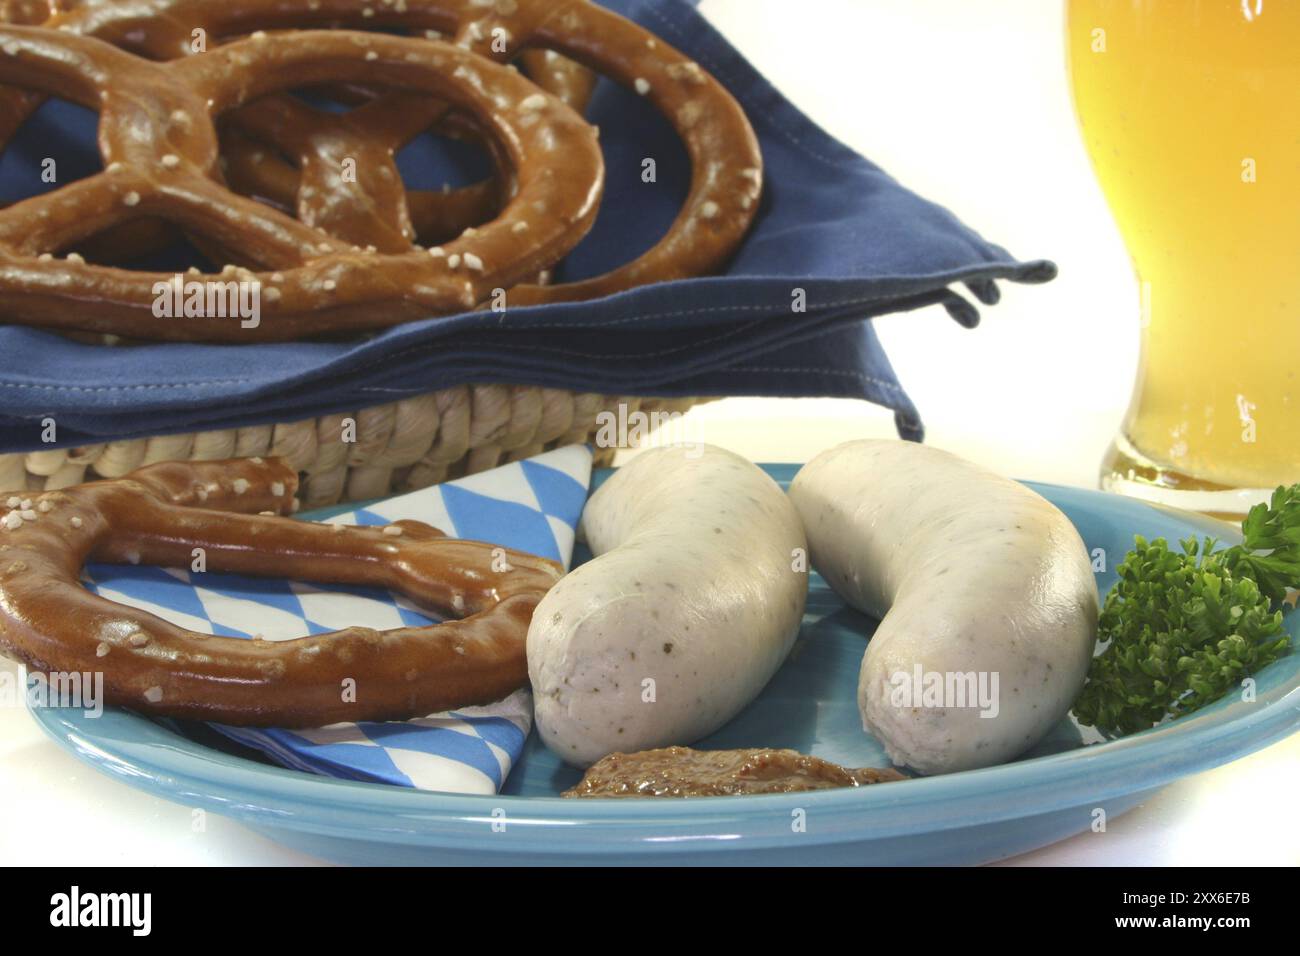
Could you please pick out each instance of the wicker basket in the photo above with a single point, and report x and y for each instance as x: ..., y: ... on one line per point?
x: 398, y: 447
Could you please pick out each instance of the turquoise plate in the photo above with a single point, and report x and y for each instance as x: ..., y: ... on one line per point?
x: 1049, y: 794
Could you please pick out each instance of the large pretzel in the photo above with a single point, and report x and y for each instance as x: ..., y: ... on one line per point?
x: 372, y: 211
x: 369, y: 212
x: 159, y: 514
x: 726, y: 163
x: 160, y: 152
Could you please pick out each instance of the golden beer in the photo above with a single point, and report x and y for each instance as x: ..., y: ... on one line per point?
x: 1190, y: 110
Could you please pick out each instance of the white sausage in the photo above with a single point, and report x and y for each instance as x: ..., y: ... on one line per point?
x: 976, y: 578
x: 691, y: 604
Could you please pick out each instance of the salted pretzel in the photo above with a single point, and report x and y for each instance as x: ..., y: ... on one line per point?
x: 367, y: 212
x: 726, y: 162
x: 375, y: 208
x: 161, y: 513
x: 369, y: 209
x: 160, y: 154
x: 727, y: 165
x: 372, y: 211
x: 253, y: 170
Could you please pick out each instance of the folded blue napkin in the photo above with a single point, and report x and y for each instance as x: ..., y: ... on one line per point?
x: 532, y: 506
x: 831, y: 223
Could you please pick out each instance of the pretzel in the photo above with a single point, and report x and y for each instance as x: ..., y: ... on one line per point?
x: 26, y: 12
x: 160, y: 513
x: 160, y: 151
x: 726, y: 161
x: 727, y: 166
x: 321, y: 138
x: 251, y: 171
x: 372, y: 208
x: 376, y: 210
x: 371, y: 212
x: 17, y: 105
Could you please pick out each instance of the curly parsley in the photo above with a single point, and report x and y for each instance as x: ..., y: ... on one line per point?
x: 1183, y: 629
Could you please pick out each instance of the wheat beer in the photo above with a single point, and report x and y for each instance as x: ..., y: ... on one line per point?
x: 1190, y: 110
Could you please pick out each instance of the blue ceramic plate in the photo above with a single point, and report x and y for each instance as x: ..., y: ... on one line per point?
x: 978, y: 816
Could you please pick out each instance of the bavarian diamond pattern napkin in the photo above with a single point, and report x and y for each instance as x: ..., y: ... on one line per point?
x: 531, y: 506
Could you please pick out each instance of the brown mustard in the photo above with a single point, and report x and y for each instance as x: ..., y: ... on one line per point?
x: 683, y: 772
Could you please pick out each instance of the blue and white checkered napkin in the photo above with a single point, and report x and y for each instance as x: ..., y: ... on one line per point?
x: 531, y: 506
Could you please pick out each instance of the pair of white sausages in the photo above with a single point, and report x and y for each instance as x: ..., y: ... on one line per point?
x: 696, y: 594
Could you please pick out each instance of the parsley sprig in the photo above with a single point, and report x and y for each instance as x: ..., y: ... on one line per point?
x: 1183, y: 629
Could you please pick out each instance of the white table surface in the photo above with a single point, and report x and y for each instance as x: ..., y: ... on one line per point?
x: 966, y: 103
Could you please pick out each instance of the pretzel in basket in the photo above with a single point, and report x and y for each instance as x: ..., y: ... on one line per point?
x: 253, y: 170
x: 370, y: 209
x: 374, y: 209
x: 727, y: 167
x: 160, y: 153
x: 161, y: 513
x: 366, y: 213
x: 726, y: 164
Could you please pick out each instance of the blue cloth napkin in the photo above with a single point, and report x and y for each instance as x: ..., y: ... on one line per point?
x: 530, y: 506
x: 831, y: 223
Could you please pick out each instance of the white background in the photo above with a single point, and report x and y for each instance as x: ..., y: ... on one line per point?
x: 966, y: 102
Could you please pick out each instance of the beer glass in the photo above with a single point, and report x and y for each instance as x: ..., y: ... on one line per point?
x: 1190, y: 110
